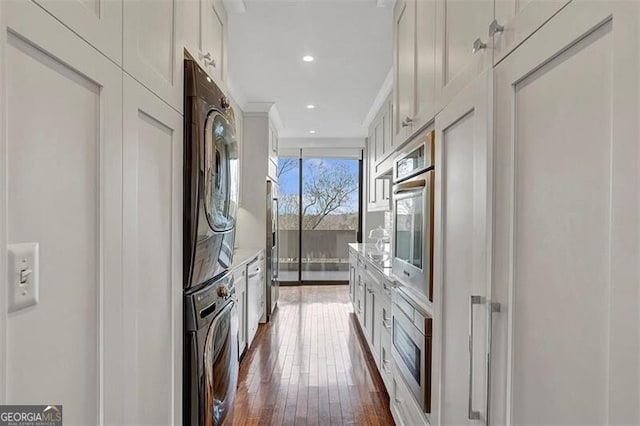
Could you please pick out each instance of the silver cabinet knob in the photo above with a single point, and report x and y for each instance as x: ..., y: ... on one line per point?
x: 404, y: 124
x: 495, y: 28
x: 478, y: 45
x: 205, y: 56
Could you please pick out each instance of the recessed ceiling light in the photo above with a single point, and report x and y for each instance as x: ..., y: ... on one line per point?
x: 310, y: 106
x: 312, y: 131
x: 308, y: 58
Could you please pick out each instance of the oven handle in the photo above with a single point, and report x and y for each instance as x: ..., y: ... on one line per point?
x: 409, y: 186
x: 473, y: 300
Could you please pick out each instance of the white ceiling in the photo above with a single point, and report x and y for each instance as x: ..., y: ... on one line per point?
x: 351, y: 41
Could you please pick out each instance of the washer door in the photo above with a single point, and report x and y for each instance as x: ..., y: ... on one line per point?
x: 221, y: 180
x: 221, y: 366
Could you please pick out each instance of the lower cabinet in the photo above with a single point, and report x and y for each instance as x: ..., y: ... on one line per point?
x: 240, y: 284
x: 404, y: 408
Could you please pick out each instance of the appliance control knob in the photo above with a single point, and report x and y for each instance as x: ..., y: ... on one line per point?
x: 224, y: 102
x: 223, y: 291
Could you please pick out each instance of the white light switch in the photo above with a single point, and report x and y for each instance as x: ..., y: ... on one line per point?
x: 23, y: 275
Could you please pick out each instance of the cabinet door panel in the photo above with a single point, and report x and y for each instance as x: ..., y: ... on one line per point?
x: 520, y: 19
x: 425, y: 61
x: 212, y: 38
x: 61, y: 186
x: 567, y: 98
x: 99, y: 22
x: 405, y: 72
x: 462, y: 260
x: 151, y: 33
x: 152, y: 253
x: 461, y: 23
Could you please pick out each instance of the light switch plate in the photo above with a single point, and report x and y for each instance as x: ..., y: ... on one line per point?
x: 23, y: 267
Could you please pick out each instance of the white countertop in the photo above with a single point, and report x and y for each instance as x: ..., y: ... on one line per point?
x: 242, y: 256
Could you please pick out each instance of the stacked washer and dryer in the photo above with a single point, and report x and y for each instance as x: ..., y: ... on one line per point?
x: 211, y: 187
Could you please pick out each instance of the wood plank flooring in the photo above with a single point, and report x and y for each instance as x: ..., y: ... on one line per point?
x: 309, y: 366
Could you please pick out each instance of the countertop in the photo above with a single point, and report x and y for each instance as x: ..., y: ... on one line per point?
x: 242, y: 256
x: 367, y: 249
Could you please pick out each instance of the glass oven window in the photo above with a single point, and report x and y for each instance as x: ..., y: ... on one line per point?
x: 408, y: 229
x: 408, y: 350
x: 410, y: 163
x: 221, y: 173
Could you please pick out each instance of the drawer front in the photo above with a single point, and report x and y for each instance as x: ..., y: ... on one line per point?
x: 386, y: 360
x: 403, y: 403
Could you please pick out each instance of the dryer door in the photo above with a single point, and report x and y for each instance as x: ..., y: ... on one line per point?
x: 221, y: 366
x: 221, y: 174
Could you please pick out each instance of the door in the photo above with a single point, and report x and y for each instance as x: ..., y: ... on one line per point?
x: 405, y: 72
x: 462, y: 259
x: 212, y: 33
x: 99, y: 22
x: 515, y: 20
x: 463, y: 47
x: 566, y: 212
x: 152, y: 256
x: 61, y: 186
x: 425, y: 62
x: 151, y: 52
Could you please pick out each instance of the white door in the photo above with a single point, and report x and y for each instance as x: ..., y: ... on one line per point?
x: 515, y: 20
x: 152, y: 49
x: 405, y: 71
x: 425, y: 62
x: 463, y: 46
x: 212, y: 33
x: 152, y: 253
x: 60, y: 186
x: 462, y: 260
x: 99, y: 22
x: 566, y: 212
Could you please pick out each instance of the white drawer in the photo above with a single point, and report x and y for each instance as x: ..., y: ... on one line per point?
x: 404, y: 407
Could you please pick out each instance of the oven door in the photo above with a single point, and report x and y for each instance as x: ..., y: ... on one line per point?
x: 220, y: 367
x: 410, y: 353
x: 412, y: 233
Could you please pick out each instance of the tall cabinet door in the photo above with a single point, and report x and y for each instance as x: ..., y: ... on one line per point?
x: 151, y: 34
x: 566, y: 222
x: 405, y: 71
x: 99, y: 22
x: 61, y: 186
x: 152, y: 253
x: 462, y: 255
x: 463, y: 47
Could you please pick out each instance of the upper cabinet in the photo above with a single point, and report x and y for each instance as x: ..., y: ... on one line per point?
x: 99, y: 22
x: 150, y: 53
x: 206, y: 42
x: 463, y: 48
x: 378, y: 156
x: 414, y: 67
x: 517, y: 20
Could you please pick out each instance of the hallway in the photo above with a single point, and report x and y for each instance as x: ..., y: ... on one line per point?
x: 308, y: 366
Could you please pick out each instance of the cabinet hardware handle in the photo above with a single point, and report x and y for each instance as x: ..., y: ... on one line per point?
x: 473, y: 300
x: 478, y: 45
x: 206, y: 56
x: 409, y: 120
x: 495, y: 28
x: 493, y: 308
x: 210, y: 62
x: 404, y: 124
x: 386, y: 325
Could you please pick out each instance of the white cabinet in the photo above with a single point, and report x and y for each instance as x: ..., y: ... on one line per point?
x: 273, y: 151
x: 462, y: 224
x: 152, y: 257
x: 378, y: 149
x: 205, y: 35
x: 61, y: 186
x: 99, y: 22
x: 152, y: 53
x: 255, y: 296
x: 240, y: 284
x: 516, y: 20
x: 414, y: 67
x: 566, y: 215
x: 212, y: 38
x: 463, y: 48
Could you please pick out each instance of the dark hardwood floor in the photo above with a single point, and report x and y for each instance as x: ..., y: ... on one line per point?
x: 309, y: 366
